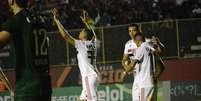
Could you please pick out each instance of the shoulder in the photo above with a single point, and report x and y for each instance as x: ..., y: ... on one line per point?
x: 148, y: 46
x: 147, y: 39
x: 9, y: 21
x: 77, y: 40
x: 129, y: 42
x: 8, y: 25
x: 144, y: 45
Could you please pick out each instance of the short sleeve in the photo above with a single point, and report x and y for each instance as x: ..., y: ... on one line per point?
x: 77, y: 43
x: 126, y: 49
x: 140, y: 53
x: 97, y: 43
x: 7, y: 26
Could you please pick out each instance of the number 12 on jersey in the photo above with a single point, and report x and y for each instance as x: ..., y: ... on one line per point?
x: 40, y: 38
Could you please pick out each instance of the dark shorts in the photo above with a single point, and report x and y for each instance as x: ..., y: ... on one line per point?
x: 33, y: 98
x: 42, y: 92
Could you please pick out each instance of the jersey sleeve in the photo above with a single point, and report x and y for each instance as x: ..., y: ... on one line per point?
x: 77, y: 44
x: 126, y: 49
x: 97, y: 43
x: 150, y: 47
x: 7, y: 26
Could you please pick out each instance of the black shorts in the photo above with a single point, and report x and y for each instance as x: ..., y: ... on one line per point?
x: 44, y: 91
x: 33, y: 98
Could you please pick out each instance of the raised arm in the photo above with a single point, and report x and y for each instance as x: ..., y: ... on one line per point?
x: 85, y: 20
x: 63, y: 32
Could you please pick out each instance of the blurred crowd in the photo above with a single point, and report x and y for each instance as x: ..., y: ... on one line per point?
x: 113, y: 12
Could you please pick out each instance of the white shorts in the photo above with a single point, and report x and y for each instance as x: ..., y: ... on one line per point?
x: 148, y: 94
x: 89, y: 84
x: 136, y: 90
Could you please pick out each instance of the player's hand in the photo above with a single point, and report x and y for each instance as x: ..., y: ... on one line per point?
x: 55, y: 14
x: 84, y: 15
x: 155, y: 40
x: 123, y: 75
x: 12, y: 93
x: 127, y: 67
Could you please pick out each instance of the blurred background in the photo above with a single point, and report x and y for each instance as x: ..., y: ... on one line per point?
x: 176, y: 22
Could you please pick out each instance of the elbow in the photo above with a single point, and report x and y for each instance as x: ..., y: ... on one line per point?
x: 2, y: 45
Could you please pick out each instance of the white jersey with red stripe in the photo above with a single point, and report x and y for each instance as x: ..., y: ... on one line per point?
x: 86, y: 57
x: 130, y: 48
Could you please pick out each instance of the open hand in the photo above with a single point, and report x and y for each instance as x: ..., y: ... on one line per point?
x: 55, y: 14
x: 155, y: 40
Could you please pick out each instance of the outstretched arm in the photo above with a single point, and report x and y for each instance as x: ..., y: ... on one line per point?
x: 63, y: 32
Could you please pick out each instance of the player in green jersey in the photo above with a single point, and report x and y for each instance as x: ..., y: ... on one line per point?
x: 29, y: 36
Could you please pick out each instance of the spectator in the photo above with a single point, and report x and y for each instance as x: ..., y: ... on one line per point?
x: 112, y: 12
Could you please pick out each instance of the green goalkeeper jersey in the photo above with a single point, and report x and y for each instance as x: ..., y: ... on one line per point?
x: 29, y: 37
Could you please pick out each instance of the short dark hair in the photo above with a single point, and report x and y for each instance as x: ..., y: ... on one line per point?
x: 22, y: 3
x: 134, y: 25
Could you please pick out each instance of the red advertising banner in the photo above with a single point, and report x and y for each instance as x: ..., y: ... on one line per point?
x: 184, y: 69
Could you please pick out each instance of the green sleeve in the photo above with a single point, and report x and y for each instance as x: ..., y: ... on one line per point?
x: 7, y: 26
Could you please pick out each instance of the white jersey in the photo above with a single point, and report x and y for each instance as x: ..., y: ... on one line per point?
x: 145, y: 56
x: 86, y: 57
x: 130, y: 48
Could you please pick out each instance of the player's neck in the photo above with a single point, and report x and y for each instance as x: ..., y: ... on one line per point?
x: 83, y: 39
x: 134, y: 40
x: 17, y: 10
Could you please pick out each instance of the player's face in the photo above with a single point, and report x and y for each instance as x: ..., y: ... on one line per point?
x: 132, y: 31
x: 83, y: 35
x: 139, y: 40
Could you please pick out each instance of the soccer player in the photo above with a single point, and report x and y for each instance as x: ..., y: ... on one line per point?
x: 130, y: 45
x: 86, y: 47
x: 29, y: 35
x: 129, y: 53
x: 145, y: 59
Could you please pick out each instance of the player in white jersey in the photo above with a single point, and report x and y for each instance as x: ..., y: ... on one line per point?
x: 129, y: 53
x: 86, y: 48
x: 145, y: 59
x: 130, y: 46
